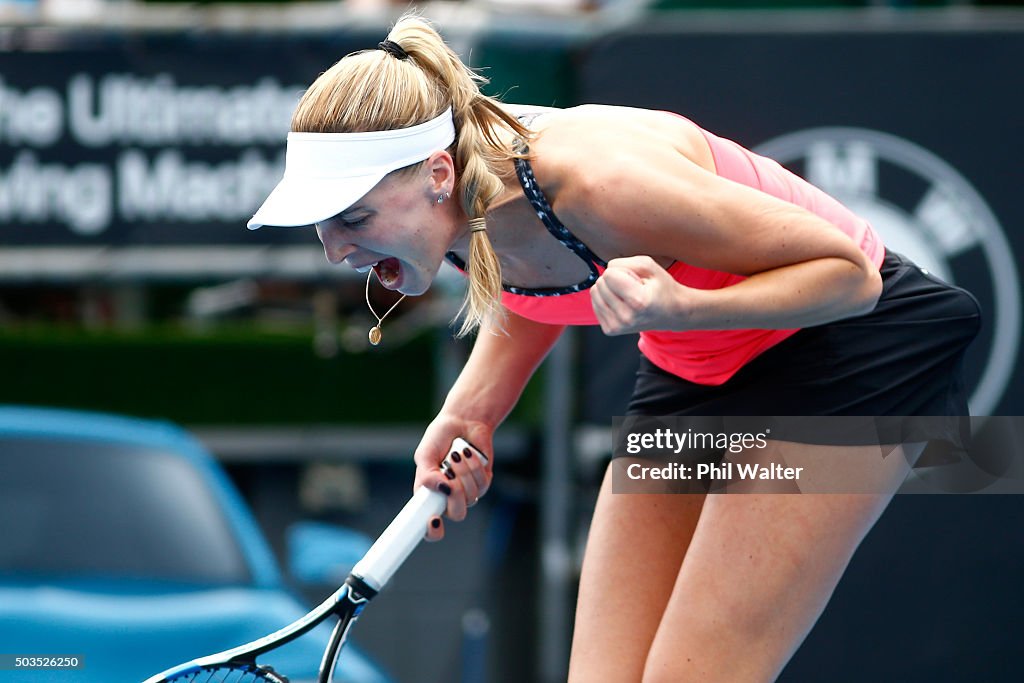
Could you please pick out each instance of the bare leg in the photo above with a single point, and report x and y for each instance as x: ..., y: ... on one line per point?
x: 634, y: 551
x: 758, y: 573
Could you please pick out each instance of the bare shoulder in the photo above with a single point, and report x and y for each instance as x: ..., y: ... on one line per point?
x: 590, y: 141
x: 593, y: 156
x: 590, y: 132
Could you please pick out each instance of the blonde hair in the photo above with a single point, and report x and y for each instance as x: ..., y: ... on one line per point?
x: 375, y: 90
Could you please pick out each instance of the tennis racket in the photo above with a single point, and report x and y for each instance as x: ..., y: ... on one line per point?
x: 366, y: 579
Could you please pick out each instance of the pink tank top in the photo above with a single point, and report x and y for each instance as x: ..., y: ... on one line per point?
x: 708, y: 356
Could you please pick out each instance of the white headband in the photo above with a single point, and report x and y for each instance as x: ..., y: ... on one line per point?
x: 325, y: 173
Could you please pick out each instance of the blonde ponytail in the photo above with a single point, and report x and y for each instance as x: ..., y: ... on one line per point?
x: 375, y: 90
x: 484, y: 283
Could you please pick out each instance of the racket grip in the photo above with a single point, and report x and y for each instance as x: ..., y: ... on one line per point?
x: 405, y: 532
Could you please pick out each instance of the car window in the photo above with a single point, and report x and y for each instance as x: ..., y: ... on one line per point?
x: 83, y: 507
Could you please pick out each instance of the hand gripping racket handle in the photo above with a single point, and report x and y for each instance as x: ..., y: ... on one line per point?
x: 406, y: 531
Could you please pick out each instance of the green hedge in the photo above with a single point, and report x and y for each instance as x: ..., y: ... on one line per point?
x: 217, y: 378
x: 225, y: 377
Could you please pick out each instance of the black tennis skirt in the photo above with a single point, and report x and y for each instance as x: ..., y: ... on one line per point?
x: 904, y: 358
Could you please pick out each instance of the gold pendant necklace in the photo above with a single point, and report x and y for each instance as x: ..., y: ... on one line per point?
x: 375, y: 333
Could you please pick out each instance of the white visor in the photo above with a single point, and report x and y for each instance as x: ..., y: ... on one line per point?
x: 325, y: 173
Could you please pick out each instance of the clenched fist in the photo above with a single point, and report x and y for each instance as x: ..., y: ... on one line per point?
x: 635, y: 293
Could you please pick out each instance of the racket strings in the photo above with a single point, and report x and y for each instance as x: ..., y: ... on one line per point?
x: 231, y: 674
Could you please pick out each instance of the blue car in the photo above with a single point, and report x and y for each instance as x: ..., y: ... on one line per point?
x: 124, y: 544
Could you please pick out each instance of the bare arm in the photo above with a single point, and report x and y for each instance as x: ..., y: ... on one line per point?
x: 484, y: 394
x: 498, y: 369
x: 653, y: 201
x: 635, y: 293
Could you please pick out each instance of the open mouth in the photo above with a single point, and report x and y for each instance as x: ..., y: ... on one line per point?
x: 388, y: 272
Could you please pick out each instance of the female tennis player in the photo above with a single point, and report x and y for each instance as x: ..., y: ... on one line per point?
x: 752, y: 292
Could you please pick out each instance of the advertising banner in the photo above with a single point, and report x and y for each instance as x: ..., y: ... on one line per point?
x: 149, y: 139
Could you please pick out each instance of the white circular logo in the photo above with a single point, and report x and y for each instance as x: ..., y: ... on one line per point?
x: 923, y: 208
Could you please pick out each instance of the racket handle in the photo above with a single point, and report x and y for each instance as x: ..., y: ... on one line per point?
x: 405, y: 532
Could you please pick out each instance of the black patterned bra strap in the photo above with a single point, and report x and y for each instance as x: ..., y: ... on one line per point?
x: 546, y: 214
x: 456, y: 261
x: 539, y: 201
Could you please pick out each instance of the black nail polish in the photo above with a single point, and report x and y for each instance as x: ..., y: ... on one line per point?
x: 449, y: 474
x: 467, y: 453
x: 436, y: 523
x: 445, y: 489
x: 456, y: 457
